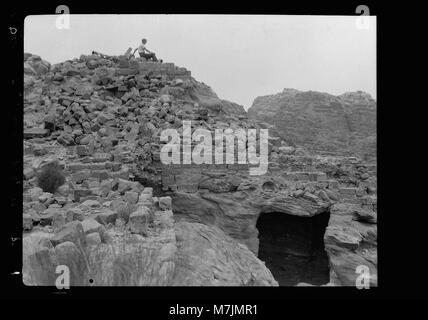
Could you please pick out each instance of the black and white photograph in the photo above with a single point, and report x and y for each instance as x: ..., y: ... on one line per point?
x: 199, y: 150
x: 217, y: 162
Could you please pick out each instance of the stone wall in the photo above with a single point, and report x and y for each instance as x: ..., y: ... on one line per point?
x: 134, y: 66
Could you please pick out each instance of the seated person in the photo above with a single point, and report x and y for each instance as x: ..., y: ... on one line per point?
x: 144, y: 53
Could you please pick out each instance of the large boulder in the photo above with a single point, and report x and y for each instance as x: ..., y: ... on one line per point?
x: 350, y: 243
x: 208, y: 257
x: 34, y: 65
x: 174, y: 254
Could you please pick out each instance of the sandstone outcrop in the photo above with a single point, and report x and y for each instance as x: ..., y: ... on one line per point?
x: 321, y: 122
x: 165, y: 254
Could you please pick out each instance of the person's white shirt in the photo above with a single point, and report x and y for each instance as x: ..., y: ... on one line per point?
x: 141, y: 48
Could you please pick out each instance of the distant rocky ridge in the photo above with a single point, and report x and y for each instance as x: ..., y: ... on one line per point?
x: 101, y: 116
x: 321, y: 122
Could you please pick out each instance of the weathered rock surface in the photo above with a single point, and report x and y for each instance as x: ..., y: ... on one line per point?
x: 350, y: 243
x: 34, y: 65
x: 171, y: 254
x: 206, y: 256
x: 321, y: 122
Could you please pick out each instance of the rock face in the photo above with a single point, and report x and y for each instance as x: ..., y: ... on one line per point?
x: 34, y: 65
x: 171, y: 254
x: 321, y: 122
x: 350, y: 242
x: 122, y: 217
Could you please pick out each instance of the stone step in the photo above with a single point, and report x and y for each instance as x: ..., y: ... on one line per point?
x: 305, y: 176
x: 35, y: 133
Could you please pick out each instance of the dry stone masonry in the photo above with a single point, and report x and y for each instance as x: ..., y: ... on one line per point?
x: 122, y: 217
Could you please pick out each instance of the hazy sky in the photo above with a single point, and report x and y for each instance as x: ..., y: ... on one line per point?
x: 240, y: 57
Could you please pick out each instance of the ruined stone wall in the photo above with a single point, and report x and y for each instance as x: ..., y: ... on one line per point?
x: 354, y: 182
x: 170, y: 70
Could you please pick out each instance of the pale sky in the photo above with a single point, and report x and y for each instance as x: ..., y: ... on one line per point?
x: 239, y: 56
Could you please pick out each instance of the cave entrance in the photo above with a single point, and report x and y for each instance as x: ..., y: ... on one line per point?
x: 293, y: 247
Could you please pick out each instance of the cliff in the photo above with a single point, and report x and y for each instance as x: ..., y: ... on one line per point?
x: 321, y: 122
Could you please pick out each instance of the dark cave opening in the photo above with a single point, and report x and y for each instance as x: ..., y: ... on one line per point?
x: 293, y: 247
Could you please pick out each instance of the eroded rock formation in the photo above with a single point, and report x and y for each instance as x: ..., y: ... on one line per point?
x: 321, y: 122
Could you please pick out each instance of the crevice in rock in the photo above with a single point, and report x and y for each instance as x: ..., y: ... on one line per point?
x: 293, y: 247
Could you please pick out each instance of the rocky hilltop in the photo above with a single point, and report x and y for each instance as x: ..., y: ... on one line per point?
x: 321, y: 122
x: 122, y: 217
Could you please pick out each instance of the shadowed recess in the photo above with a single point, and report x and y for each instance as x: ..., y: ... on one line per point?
x: 293, y: 248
